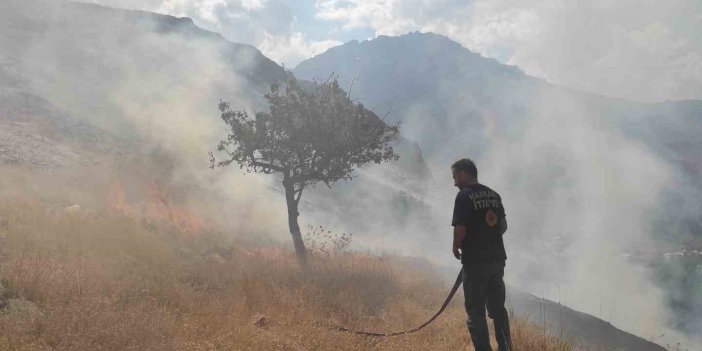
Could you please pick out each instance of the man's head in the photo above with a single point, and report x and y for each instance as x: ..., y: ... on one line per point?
x: 464, y: 173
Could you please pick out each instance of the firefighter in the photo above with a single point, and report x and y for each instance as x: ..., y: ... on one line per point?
x: 478, y: 225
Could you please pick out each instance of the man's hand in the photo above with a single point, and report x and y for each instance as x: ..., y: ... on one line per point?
x: 459, y: 233
x: 456, y: 252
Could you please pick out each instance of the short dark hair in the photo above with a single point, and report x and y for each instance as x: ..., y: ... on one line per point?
x: 465, y: 164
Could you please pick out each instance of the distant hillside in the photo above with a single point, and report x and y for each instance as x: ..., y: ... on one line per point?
x: 437, y: 88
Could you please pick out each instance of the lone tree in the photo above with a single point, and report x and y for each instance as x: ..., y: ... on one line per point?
x: 310, y: 134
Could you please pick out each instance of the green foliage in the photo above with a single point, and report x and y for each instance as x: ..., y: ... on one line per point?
x: 310, y: 134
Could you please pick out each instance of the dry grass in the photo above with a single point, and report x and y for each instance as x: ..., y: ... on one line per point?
x: 97, y: 281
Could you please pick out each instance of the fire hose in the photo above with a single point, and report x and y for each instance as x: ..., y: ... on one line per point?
x: 456, y: 285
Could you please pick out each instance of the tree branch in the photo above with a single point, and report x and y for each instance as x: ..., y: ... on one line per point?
x: 264, y: 165
x: 298, y: 194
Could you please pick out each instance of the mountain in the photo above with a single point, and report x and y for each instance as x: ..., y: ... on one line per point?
x: 430, y: 83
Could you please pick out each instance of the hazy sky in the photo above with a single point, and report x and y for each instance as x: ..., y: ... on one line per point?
x: 646, y: 50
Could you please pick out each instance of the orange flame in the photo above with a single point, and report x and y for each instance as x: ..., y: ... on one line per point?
x: 153, y: 203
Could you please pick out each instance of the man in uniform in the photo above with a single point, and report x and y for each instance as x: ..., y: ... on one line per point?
x: 478, y: 224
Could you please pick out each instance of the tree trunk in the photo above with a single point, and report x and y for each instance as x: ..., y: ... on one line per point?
x: 294, y: 227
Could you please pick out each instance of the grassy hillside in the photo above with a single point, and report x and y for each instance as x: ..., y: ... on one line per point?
x: 91, y: 278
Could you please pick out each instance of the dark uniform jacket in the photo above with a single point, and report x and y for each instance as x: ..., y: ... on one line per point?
x: 480, y: 209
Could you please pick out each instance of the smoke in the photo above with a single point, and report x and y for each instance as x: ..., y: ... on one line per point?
x: 154, y: 89
x: 581, y: 197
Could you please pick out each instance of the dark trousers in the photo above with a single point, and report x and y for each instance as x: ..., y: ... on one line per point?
x: 483, y: 287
